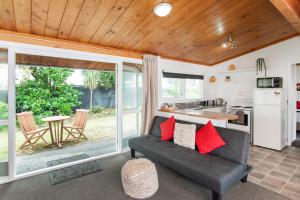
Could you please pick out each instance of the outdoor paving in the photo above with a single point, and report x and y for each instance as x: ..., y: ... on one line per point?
x: 32, y: 162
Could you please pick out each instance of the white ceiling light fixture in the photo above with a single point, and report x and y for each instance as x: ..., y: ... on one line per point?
x: 229, y: 44
x: 163, y: 9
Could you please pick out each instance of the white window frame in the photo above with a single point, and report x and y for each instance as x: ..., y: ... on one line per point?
x: 181, y: 98
x: 14, y: 48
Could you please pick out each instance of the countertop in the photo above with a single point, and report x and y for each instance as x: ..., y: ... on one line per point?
x: 204, y: 114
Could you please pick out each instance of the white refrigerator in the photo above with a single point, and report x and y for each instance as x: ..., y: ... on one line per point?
x: 270, y: 118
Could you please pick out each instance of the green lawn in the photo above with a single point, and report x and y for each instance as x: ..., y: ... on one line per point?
x: 99, y: 126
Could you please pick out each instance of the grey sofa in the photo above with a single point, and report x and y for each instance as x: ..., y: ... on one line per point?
x: 217, y: 171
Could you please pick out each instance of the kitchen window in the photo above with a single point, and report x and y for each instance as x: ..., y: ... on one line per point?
x: 193, y: 88
x: 181, y: 87
x: 171, y: 88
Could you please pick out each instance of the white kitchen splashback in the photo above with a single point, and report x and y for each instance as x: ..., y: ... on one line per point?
x: 239, y: 90
x: 241, y: 102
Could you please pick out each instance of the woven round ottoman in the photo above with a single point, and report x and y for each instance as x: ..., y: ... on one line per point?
x: 139, y: 178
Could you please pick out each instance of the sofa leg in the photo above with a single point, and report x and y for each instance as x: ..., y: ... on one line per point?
x: 247, y: 171
x: 216, y: 196
x: 244, y: 179
x: 132, y: 153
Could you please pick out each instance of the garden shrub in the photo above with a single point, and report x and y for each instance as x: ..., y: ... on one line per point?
x: 3, y: 115
x: 3, y: 110
x: 47, y: 94
x: 107, y: 80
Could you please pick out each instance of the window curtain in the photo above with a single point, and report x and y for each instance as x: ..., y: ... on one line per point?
x: 150, y: 91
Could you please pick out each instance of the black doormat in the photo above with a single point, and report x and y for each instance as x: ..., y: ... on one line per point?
x: 75, y: 171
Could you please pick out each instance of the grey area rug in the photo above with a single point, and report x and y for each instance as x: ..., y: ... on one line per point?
x: 75, y: 171
x: 107, y: 185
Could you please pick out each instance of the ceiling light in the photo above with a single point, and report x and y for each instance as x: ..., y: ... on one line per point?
x: 229, y: 44
x: 163, y: 9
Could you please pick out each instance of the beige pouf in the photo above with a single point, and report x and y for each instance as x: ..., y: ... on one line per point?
x: 139, y: 178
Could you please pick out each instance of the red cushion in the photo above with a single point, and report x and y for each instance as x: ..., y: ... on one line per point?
x: 298, y: 104
x: 167, y: 129
x: 208, y: 139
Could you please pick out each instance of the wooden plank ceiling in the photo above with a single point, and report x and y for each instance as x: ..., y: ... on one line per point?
x: 194, y: 31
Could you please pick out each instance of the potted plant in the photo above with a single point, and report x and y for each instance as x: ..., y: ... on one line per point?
x: 261, y: 66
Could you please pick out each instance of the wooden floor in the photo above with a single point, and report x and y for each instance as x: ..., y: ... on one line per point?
x: 277, y: 171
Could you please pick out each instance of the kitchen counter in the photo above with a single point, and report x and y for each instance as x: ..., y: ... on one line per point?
x: 204, y: 114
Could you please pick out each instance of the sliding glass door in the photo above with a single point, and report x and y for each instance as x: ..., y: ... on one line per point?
x: 44, y: 98
x: 132, y: 95
x: 66, y: 111
x: 4, y: 121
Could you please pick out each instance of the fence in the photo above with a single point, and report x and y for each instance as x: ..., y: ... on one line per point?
x: 3, y: 95
x: 101, y: 97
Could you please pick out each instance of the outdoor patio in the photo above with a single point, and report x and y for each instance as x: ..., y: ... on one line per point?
x: 101, y: 140
x: 28, y: 163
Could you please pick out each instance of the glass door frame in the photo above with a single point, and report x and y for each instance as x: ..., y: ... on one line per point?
x: 11, y: 114
x: 136, y: 110
x: 15, y: 48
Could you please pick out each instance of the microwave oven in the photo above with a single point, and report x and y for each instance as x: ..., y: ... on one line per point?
x: 269, y: 82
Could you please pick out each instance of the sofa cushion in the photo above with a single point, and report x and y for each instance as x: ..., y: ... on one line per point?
x: 208, y: 139
x: 236, y: 148
x: 213, y: 172
x: 167, y: 129
x: 184, y: 135
x: 237, y: 142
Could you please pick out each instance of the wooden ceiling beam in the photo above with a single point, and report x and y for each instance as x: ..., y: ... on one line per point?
x: 290, y: 9
x: 65, y: 44
x: 45, y: 61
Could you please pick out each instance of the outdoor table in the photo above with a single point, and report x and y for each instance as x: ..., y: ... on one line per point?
x: 56, y: 125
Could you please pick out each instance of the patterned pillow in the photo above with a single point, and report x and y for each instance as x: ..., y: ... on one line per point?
x: 185, y: 134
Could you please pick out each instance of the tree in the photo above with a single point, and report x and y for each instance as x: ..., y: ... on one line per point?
x: 47, y: 93
x: 91, y: 82
x: 107, y: 80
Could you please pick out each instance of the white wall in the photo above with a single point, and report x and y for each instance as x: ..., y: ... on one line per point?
x: 298, y: 74
x: 280, y: 60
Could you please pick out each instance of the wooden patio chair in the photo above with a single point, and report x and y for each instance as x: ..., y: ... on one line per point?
x: 76, y: 130
x: 30, y: 130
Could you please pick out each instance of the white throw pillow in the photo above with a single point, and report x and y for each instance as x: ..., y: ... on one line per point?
x: 185, y: 134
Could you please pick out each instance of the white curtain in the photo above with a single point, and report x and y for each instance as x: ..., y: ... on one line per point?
x: 150, y: 91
